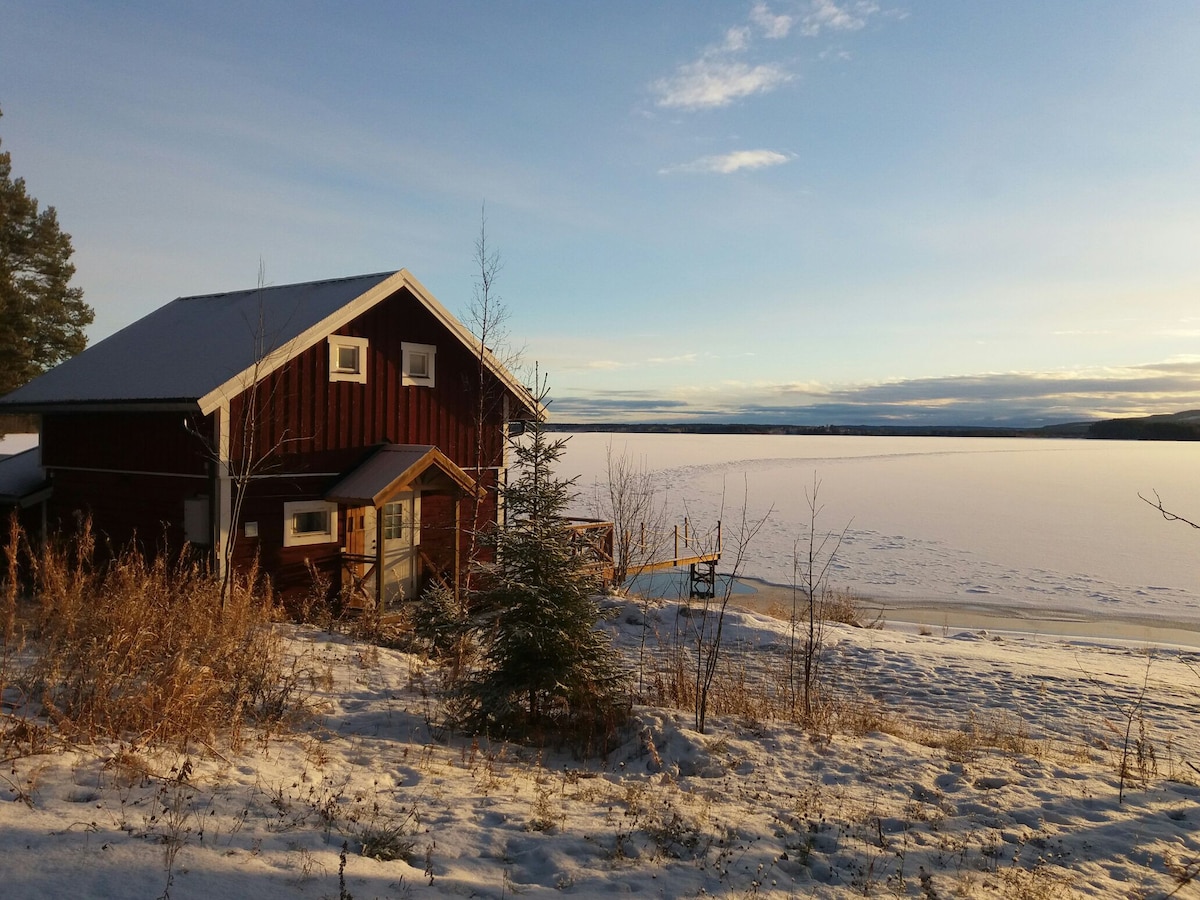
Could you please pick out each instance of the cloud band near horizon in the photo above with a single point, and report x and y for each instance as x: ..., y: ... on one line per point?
x: 1000, y: 399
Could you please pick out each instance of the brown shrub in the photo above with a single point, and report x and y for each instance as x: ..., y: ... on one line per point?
x: 150, y: 651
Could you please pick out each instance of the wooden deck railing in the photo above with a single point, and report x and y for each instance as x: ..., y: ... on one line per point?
x: 650, y: 550
x: 592, y: 542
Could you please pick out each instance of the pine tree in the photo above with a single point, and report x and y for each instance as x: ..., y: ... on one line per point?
x: 42, y: 318
x: 544, y: 669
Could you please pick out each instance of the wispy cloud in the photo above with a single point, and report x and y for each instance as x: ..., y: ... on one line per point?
x: 771, y: 25
x: 720, y: 75
x: 708, y: 83
x: 728, y: 163
x: 826, y: 15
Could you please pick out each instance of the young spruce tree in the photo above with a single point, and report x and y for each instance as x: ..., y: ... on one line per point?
x: 544, y: 669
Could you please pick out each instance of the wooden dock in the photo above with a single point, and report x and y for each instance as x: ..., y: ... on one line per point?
x: 655, y: 551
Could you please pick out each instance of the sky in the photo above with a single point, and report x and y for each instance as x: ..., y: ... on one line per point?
x: 798, y: 212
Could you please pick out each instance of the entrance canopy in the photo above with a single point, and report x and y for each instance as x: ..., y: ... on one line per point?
x: 395, y: 468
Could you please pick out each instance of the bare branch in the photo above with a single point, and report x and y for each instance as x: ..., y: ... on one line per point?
x: 1166, y: 513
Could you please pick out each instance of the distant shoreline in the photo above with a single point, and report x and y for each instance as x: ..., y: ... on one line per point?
x: 1182, y: 426
x: 1069, y: 430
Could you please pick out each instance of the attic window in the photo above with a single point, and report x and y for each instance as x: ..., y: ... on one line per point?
x: 347, y: 358
x: 309, y: 522
x: 417, y: 364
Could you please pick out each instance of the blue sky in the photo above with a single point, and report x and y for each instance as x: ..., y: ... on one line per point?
x: 805, y: 212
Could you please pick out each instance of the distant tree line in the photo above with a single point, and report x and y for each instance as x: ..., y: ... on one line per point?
x: 1184, y: 426
x: 757, y: 428
x: 1146, y: 429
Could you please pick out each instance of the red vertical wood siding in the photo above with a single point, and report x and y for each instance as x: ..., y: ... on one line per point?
x: 127, y: 442
x: 125, y: 508
x: 315, y: 425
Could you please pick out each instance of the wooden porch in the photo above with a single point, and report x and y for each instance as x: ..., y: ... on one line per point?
x: 360, y: 579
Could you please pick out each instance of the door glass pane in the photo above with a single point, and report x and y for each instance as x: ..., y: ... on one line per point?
x: 393, y: 520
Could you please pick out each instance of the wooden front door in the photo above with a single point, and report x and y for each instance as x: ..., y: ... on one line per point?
x: 360, y: 550
x: 401, y: 529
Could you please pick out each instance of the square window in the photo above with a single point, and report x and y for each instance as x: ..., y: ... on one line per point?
x: 417, y: 364
x: 309, y: 522
x: 347, y: 358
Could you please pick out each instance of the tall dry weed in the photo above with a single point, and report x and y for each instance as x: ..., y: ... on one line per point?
x: 147, y: 651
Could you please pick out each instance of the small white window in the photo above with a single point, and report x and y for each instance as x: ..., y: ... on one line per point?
x: 347, y: 358
x: 309, y: 522
x: 417, y: 364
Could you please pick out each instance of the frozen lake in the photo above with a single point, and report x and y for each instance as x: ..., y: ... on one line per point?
x: 1043, y: 526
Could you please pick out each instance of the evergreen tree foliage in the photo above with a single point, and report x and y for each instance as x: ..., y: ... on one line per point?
x: 42, y: 318
x: 544, y: 669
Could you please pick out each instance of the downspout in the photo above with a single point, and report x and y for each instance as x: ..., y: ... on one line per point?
x: 222, y: 490
x: 379, y: 579
x: 502, y: 472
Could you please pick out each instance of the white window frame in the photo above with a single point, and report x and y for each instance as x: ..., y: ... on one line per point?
x: 292, y: 538
x: 407, y: 352
x: 339, y: 342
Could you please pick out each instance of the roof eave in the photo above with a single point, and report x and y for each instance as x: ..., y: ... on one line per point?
x: 181, y: 404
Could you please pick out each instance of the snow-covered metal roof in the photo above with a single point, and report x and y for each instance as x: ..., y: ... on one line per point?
x: 399, y: 467
x: 186, y: 349
x: 204, y: 350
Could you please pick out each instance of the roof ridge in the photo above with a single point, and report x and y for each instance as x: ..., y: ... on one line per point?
x: 296, y: 284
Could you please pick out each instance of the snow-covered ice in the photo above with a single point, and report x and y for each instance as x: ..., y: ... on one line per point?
x: 1037, y: 526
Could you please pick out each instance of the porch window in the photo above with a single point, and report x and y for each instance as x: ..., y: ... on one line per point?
x: 393, y: 521
x: 309, y: 522
x: 347, y: 358
x: 417, y: 364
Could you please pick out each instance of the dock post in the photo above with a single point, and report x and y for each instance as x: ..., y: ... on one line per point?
x: 703, y: 578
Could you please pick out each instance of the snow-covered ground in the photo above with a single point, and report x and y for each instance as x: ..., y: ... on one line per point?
x: 997, y: 778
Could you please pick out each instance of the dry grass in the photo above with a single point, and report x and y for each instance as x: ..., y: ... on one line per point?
x: 839, y: 605
x: 848, y: 608
x: 146, y: 652
x: 752, y: 686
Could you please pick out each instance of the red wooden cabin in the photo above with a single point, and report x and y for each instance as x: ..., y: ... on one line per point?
x: 349, y: 427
